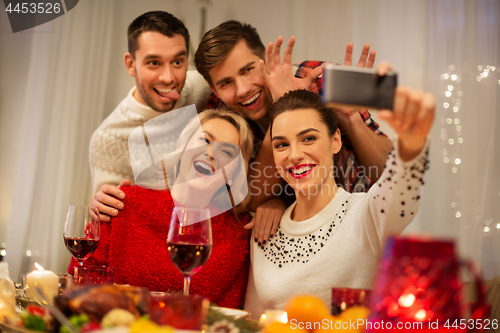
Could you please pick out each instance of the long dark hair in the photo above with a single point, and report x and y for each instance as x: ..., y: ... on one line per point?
x: 303, y: 99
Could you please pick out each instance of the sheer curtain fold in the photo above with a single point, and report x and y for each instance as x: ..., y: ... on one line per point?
x: 463, y: 71
x: 64, y: 104
x: 489, y: 50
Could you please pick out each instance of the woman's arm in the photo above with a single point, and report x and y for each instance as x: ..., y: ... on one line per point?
x: 411, y: 118
x: 395, y: 199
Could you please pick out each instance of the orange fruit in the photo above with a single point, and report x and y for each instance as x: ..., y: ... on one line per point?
x: 354, y: 313
x: 306, y: 310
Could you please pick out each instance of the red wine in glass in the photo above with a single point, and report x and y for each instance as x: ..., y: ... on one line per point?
x: 189, y: 258
x: 82, y: 232
x: 189, y: 241
x: 81, y: 248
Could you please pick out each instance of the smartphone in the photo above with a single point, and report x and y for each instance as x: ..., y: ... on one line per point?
x: 358, y: 87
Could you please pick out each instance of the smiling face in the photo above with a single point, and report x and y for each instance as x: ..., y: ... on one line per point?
x: 303, y: 151
x: 159, y: 67
x: 238, y: 83
x: 196, y: 165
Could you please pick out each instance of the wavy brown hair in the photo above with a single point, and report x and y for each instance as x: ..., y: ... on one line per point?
x: 218, y: 42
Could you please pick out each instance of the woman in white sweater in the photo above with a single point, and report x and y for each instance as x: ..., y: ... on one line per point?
x: 328, y: 237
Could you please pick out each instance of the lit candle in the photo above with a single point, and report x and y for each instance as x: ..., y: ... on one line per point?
x: 271, y: 316
x: 46, y: 281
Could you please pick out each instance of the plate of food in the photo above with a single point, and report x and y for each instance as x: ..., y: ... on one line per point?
x: 235, y: 313
x: 117, y: 309
x: 6, y: 328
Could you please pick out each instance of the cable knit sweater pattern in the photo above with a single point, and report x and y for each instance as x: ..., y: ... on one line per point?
x: 108, y: 153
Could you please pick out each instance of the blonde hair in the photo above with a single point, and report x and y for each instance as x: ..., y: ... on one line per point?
x: 245, y: 144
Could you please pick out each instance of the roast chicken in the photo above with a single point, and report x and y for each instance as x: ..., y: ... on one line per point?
x: 97, y: 300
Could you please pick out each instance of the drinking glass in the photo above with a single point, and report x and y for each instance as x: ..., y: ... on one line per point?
x: 82, y: 232
x: 344, y: 298
x: 93, y: 275
x: 62, y: 282
x: 189, y: 241
x: 181, y: 312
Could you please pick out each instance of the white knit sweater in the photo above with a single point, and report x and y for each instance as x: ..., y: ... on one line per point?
x: 338, y: 247
x: 108, y: 153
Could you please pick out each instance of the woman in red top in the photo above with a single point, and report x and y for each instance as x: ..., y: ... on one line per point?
x: 134, y: 243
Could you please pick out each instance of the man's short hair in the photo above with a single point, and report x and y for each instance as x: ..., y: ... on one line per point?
x: 157, y: 21
x: 219, y: 42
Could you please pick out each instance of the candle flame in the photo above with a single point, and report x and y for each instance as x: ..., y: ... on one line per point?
x: 39, y: 267
x: 274, y: 316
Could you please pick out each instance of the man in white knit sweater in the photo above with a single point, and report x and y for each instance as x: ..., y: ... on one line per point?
x: 157, y: 57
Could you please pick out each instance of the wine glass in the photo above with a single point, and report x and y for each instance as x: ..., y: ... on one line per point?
x: 82, y: 231
x: 189, y: 241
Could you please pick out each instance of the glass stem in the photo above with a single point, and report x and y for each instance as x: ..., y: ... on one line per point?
x: 187, y: 283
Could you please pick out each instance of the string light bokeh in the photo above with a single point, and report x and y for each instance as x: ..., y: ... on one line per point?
x: 451, y: 132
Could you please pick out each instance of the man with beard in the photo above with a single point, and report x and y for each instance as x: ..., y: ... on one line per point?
x: 157, y: 58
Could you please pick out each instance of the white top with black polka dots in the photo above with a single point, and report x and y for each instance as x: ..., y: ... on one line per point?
x: 338, y: 247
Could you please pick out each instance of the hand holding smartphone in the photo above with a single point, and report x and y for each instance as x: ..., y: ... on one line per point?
x: 358, y: 87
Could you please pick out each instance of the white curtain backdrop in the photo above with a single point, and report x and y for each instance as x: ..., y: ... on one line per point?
x: 75, y: 77
x: 463, y: 70
x: 63, y: 104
